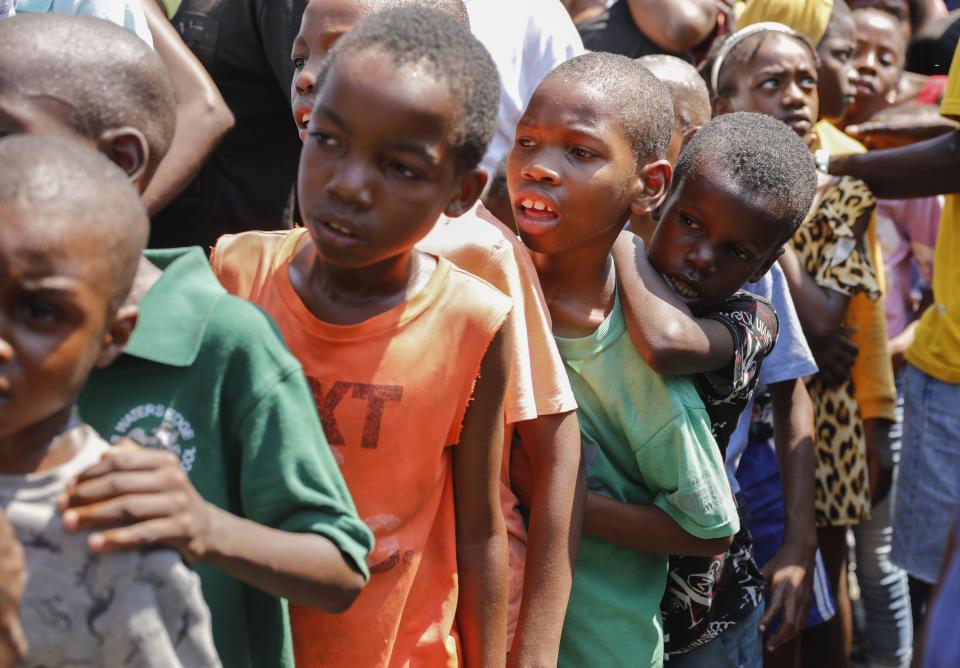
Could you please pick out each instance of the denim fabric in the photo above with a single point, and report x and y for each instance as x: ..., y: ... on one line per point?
x: 926, y: 487
x: 739, y: 646
x: 884, y: 590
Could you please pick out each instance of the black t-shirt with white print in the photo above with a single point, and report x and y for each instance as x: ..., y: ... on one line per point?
x: 707, y: 595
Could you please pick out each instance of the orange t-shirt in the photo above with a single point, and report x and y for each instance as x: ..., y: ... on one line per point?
x: 391, y: 392
x: 537, y: 383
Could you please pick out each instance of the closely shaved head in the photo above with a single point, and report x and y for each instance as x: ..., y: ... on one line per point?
x: 76, y: 199
x: 102, y: 76
x: 688, y: 90
x: 643, y: 103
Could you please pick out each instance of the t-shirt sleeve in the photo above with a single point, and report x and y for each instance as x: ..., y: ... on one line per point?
x: 791, y: 357
x: 289, y: 479
x: 681, y: 465
x: 753, y: 324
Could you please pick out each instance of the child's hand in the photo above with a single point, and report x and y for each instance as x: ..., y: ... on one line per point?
x: 146, y: 496
x: 13, y: 643
x: 835, y: 356
x: 789, y: 577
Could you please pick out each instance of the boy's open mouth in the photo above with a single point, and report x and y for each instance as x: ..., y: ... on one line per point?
x: 302, y: 117
x: 682, y: 287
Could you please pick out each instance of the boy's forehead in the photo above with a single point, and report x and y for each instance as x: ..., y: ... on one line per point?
x: 571, y: 100
x: 39, y: 244
x: 372, y: 78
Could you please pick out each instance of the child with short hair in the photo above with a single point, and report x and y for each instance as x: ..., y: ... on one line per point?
x: 63, y: 313
x: 396, y: 341
x: 539, y: 404
x: 586, y: 156
x: 740, y: 226
x: 235, y: 475
x: 835, y: 281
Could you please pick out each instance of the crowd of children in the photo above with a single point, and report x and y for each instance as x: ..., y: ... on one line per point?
x: 556, y: 358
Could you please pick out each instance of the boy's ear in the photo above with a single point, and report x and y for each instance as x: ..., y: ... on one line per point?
x: 765, y: 267
x: 470, y: 188
x: 127, y: 147
x: 118, y: 334
x: 688, y: 135
x: 653, y: 183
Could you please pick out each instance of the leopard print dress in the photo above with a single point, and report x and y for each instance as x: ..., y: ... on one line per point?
x: 826, y: 246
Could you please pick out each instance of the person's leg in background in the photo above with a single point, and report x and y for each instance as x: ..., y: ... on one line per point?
x: 884, y: 591
x: 926, y: 485
x: 829, y: 645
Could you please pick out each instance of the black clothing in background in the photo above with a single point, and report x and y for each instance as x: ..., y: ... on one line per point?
x: 248, y: 181
x: 614, y: 31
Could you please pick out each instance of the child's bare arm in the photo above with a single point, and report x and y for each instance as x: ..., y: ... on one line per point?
x: 645, y: 528
x: 789, y: 573
x: 481, y: 536
x: 203, y: 118
x: 821, y: 310
x: 661, y: 326
x: 558, y: 494
x: 146, y: 490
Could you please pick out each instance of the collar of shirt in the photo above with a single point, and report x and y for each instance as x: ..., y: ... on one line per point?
x: 175, y: 311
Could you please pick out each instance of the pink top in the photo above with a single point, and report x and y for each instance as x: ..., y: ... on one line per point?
x: 907, y: 232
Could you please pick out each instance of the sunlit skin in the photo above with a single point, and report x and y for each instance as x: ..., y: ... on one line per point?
x: 24, y: 113
x: 878, y: 62
x: 323, y: 23
x: 835, y: 76
x: 377, y: 171
x: 570, y: 155
x: 899, y: 9
x: 56, y: 324
x: 780, y: 81
x: 711, y: 239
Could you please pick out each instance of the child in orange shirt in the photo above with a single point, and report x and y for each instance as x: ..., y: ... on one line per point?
x: 539, y: 402
x: 397, y: 342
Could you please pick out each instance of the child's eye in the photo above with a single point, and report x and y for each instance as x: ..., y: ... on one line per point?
x: 525, y: 142
x: 323, y: 139
x: 582, y: 153
x: 403, y: 170
x: 741, y: 254
x: 39, y: 312
x: 299, y: 63
x: 808, y: 82
x: 770, y: 84
x: 690, y: 222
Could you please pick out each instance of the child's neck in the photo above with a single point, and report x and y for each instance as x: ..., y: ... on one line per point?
x: 348, y: 296
x: 579, y: 285
x: 37, y: 448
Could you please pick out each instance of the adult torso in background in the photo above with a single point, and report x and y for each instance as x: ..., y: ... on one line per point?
x: 248, y: 181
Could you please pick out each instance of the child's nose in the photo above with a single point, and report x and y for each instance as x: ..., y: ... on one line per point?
x: 542, y: 173
x: 350, y: 185
x: 305, y: 82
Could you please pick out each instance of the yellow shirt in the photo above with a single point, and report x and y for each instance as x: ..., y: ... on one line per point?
x: 872, y: 373
x: 936, y: 349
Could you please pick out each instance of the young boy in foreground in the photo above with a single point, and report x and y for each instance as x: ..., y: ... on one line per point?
x: 407, y: 354
x: 539, y: 404
x: 742, y: 186
x: 62, y: 288
x: 586, y: 157
x: 235, y: 474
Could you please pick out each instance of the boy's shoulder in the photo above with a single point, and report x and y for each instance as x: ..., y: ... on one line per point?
x: 467, y: 293
x: 244, y: 261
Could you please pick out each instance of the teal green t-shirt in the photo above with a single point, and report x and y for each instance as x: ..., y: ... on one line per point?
x: 207, y: 377
x: 646, y: 440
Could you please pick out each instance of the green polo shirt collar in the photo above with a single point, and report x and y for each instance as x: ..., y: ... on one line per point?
x: 175, y: 311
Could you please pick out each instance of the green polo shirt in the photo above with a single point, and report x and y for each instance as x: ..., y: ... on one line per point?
x: 206, y: 376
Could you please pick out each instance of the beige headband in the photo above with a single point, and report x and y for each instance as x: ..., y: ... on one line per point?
x: 728, y: 46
